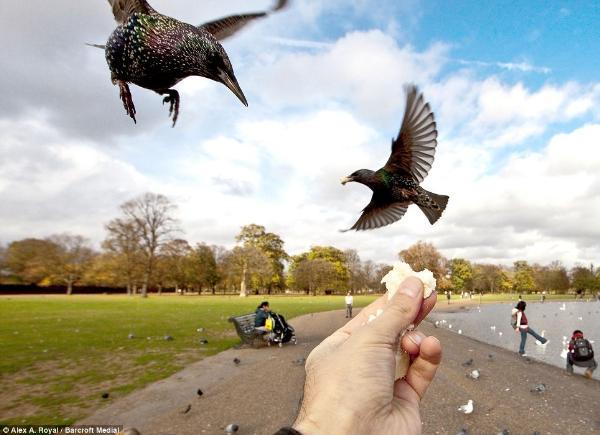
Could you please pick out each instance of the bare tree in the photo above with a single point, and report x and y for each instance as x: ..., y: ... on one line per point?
x: 151, y: 214
x: 123, y: 240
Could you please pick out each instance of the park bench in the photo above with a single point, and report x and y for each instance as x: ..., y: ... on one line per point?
x: 244, y: 326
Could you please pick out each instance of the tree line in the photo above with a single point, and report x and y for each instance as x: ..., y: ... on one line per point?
x: 144, y: 250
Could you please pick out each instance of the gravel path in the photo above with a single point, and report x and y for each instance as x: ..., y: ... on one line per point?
x: 262, y: 393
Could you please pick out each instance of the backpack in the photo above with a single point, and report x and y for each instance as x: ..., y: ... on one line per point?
x: 513, y: 320
x: 582, y: 350
x: 269, y: 323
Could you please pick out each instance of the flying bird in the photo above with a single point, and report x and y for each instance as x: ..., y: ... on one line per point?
x: 397, y: 184
x: 156, y: 52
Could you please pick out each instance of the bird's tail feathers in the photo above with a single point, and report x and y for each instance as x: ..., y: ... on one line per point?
x: 434, y: 213
x: 100, y: 46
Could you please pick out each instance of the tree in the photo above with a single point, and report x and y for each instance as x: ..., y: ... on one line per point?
x: 172, y: 268
x: 202, y: 268
x: 337, y: 259
x: 583, y: 278
x: 70, y: 260
x: 123, y: 243
x: 4, y: 273
x: 249, y: 266
x: 314, y: 276
x: 271, y: 245
x: 553, y: 277
x: 356, y: 270
x: 423, y: 255
x: 490, y: 278
x: 523, y: 278
x: 151, y: 215
x: 461, y: 274
x: 27, y: 260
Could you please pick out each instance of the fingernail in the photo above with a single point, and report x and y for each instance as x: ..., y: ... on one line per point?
x: 410, y: 287
x: 415, y: 337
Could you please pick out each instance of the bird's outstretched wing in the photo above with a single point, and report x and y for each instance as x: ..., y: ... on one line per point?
x: 227, y: 26
x: 122, y: 9
x: 377, y: 215
x: 413, y: 150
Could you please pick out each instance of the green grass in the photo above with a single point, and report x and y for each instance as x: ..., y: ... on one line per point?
x: 60, y: 353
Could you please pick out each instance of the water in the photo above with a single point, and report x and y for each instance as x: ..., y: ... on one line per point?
x: 491, y: 324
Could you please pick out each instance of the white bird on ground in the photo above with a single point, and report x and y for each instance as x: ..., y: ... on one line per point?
x: 474, y: 374
x: 563, y: 307
x: 500, y: 334
x: 493, y: 328
x: 468, y: 408
x: 460, y: 331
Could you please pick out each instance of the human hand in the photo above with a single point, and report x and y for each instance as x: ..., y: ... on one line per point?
x: 350, y: 385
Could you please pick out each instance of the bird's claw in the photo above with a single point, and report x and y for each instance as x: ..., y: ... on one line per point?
x: 125, y: 95
x: 173, y: 100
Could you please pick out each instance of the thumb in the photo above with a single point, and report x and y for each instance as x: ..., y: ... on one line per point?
x: 399, y: 312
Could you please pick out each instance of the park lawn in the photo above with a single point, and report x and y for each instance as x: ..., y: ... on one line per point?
x: 61, y: 353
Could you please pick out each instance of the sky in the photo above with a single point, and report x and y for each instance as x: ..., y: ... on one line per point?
x: 514, y: 87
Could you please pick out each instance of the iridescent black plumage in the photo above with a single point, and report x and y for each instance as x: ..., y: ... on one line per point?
x: 156, y: 52
x: 396, y: 185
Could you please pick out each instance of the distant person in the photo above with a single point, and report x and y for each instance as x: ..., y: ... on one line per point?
x: 543, y: 297
x: 448, y: 296
x: 581, y: 354
x: 520, y: 298
x: 522, y: 326
x: 349, y: 301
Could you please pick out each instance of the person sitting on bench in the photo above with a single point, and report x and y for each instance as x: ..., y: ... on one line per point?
x: 262, y: 316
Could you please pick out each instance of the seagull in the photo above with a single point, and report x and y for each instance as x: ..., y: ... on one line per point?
x: 493, y: 328
x: 563, y: 307
x: 468, y: 408
x: 474, y: 374
x: 231, y: 428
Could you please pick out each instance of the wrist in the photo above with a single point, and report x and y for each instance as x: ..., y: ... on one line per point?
x: 325, y: 423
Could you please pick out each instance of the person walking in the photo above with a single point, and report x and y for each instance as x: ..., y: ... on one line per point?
x: 349, y: 301
x: 522, y: 326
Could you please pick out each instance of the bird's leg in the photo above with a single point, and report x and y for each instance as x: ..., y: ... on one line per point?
x: 172, y: 98
x: 125, y: 95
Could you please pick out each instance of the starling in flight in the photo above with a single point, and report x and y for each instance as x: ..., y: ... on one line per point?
x: 396, y: 185
x: 156, y: 52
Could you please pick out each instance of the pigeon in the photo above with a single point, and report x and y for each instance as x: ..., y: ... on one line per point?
x: 299, y: 361
x: 231, y: 428
x: 397, y: 184
x: 105, y: 395
x: 490, y: 356
x: 539, y: 388
x: 203, y: 341
x: 131, y: 336
x: 199, y: 392
x: 236, y: 361
x: 474, y: 374
x: 156, y: 52
x: 187, y: 409
x: 468, y: 362
x: 468, y: 408
x: 168, y: 338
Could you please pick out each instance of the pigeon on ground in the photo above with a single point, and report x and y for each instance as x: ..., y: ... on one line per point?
x: 131, y: 336
x: 187, y: 409
x: 490, y: 356
x: 468, y: 362
x: 468, y: 408
x: 203, y: 341
x: 156, y: 52
x: 231, y: 428
x: 397, y: 184
x: 299, y: 361
x: 105, y: 395
x: 539, y: 388
x: 199, y: 392
x: 474, y: 374
x: 236, y: 361
x: 168, y: 338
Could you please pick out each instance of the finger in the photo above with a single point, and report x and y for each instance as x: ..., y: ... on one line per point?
x: 400, y: 312
x: 426, y: 308
x: 421, y: 372
x: 411, y: 342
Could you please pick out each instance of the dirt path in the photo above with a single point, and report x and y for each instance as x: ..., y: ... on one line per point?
x: 262, y: 393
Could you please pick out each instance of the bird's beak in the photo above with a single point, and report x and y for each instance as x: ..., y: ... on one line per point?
x: 231, y: 82
x: 345, y: 180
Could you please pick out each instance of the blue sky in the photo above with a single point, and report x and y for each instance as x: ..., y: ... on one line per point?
x: 513, y: 86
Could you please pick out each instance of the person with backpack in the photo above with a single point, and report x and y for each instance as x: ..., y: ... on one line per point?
x: 521, y: 325
x: 263, y: 322
x: 581, y: 354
